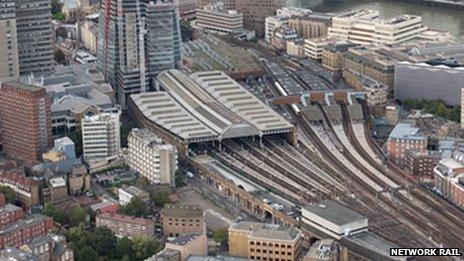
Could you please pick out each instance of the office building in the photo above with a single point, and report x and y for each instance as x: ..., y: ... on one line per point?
x: 129, y: 226
x: 260, y: 241
x: 88, y: 34
x: 126, y: 194
x: 364, y: 27
x: 311, y: 25
x: 35, y: 36
x: 177, y: 220
x: 256, y: 11
x: 296, y: 48
x: 101, y: 138
x: 152, y: 157
x: 419, y: 81
x: 131, y: 50
x: 9, y: 67
x: 315, y: 47
x: 271, y: 24
x: 333, y: 53
x: 66, y: 145
x: 404, y: 137
x: 215, y: 19
x: 25, y: 121
x: 17, y: 234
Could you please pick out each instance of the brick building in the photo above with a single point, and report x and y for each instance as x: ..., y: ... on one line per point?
x: 25, y: 187
x: 189, y: 244
x: 177, y: 220
x: 421, y: 163
x: 404, y: 137
x: 123, y: 225
x: 16, y: 234
x: 449, y: 180
x: 10, y: 214
x: 25, y: 116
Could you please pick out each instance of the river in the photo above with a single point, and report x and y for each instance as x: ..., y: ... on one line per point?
x: 435, y: 18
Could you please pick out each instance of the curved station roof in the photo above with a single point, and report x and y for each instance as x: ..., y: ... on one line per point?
x: 207, y: 106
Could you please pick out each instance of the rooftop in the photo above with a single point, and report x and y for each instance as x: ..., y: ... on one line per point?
x: 12, y: 253
x: 183, y: 239
x: 8, y: 208
x: 29, y: 221
x: 124, y: 218
x: 181, y: 211
x: 134, y: 191
x: 215, y: 258
x: 22, y: 86
x: 267, y: 231
x: 57, y: 182
x: 334, y: 212
x: 404, y: 130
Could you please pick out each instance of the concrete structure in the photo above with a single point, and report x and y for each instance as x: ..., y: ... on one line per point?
x: 9, y: 67
x: 126, y: 225
x: 132, y: 51
x: 215, y: 19
x: 177, y: 220
x: 334, y: 219
x: 281, y: 36
x: 10, y: 214
x: 404, y: 137
x: 25, y: 121
x: 272, y: 23
x: 66, y: 145
x: 75, y: 90
x: 189, y: 244
x: 49, y: 247
x: 295, y: 48
x: 151, y: 157
x: 101, y: 140
x: 227, y: 110
x: 126, y: 194
x: 323, y: 250
x: 260, y: 241
x: 364, y: 27
x: 25, y: 187
x: 419, y: 81
x: 17, y: 234
x: 34, y: 22
x: 58, y: 189
x: 315, y: 47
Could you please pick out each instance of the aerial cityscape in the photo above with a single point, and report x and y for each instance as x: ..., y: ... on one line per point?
x: 231, y: 130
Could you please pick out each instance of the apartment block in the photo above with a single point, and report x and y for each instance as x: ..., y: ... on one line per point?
x: 420, y: 164
x: 177, y: 220
x: 101, y: 140
x: 152, y: 157
x: 9, y: 67
x: 129, y: 226
x: 17, y: 234
x: 25, y: 187
x: 260, y: 241
x: 10, y: 214
x: 404, y: 137
x: 25, y: 121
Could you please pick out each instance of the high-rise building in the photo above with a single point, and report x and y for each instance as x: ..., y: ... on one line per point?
x: 101, y: 138
x: 34, y: 31
x: 25, y: 121
x: 8, y: 42
x: 462, y: 105
x: 137, y: 39
x: 151, y: 157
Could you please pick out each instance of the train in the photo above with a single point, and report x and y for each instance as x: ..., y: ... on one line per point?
x: 284, y: 93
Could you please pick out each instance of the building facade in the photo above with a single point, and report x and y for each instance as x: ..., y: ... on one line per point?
x: 25, y: 187
x: 449, y: 179
x: 10, y: 214
x: 9, y: 67
x: 152, y: 157
x: 129, y: 226
x: 311, y: 26
x: 101, y: 139
x: 260, y: 241
x: 17, y: 234
x: 177, y: 220
x: 215, y: 18
x: 25, y: 121
x: 314, y: 48
x: 189, y: 244
x: 271, y: 23
x: 126, y: 194
x: 404, y: 137
x: 420, y: 164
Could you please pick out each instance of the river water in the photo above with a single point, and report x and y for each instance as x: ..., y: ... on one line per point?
x: 435, y: 18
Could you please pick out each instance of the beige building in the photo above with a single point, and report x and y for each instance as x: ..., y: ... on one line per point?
x: 260, y: 241
x: 215, y: 18
x: 78, y: 180
x: 311, y: 26
x: 129, y: 226
x: 58, y: 189
x: 314, y: 48
x: 332, y: 55
x: 88, y: 35
x: 177, y: 220
x: 9, y: 67
x: 189, y: 244
x: 296, y: 48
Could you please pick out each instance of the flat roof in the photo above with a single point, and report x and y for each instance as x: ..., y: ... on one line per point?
x: 192, y: 211
x: 404, y: 130
x: 334, y: 212
x: 208, y: 106
x: 22, y: 86
x: 267, y: 231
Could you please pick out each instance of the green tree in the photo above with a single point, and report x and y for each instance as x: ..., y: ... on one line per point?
x: 160, y: 198
x: 144, y: 247
x: 142, y: 182
x: 124, y: 248
x: 86, y: 254
x: 57, y: 214
x: 103, y: 241
x: 78, y: 236
x: 56, y: 6
x: 76, y: 216
x: 221, y: 236
x: 9, y: 193
x: 136, y: 207
x: 59, y: 56
x: 59, y: 17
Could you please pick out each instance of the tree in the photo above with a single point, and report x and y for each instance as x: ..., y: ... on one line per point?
x: 160, y: 198
x: 103, y: 241
x: 124, y: 249
x: 221, y: 236
x: 57, y: 214
x: 142, y: 182
x: 76, y: 216
x: 59, y: 17
x: 136, y: 207
x: 86, y: 254
x: 9, y: 193
x: 78, y: 237
x: 60, y: 57
x: 144, y: 247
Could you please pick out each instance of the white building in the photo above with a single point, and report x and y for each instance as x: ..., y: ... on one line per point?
x: 364, y: 27
x: 126, y: 194
x: 151, y: 157
x: 313, y: 48
x: 215, y: 19
x: 272, y: 23
x: 101, y: 139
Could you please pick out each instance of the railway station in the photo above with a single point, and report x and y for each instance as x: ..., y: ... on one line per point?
x: 206, y: 107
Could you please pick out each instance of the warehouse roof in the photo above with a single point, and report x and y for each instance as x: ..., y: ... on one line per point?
x: 207, y: 106
x: 334, y: 212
